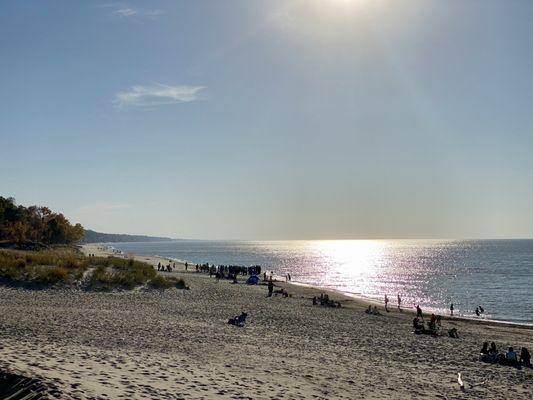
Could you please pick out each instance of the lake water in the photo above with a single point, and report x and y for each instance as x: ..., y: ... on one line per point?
x: 496, y: 274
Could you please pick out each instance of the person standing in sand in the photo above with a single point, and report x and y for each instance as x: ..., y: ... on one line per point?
x: 270, y: 288
x: 419, y: 311
x: 386, y: 303
x: 399, y: 303
x: 451, y: 310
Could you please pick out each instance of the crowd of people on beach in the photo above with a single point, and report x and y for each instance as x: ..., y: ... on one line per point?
x: 490, y: 354
x: 168, y: 268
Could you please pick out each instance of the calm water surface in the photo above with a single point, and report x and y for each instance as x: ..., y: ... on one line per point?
x: 497, y: 274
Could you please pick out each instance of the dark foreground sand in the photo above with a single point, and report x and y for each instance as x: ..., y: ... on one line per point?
x: 177, y: 345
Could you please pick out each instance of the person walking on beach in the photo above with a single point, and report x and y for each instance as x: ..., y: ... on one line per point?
x: 399, y: 303
x: 270, y: 288
x: 451, y: 310
x: 418, y: 311
x: 186, y: 265
x: 289, y: 275
x: 386, y: 303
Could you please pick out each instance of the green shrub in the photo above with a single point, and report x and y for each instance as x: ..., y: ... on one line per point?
x: 162, y: 282
x: 50, y: 275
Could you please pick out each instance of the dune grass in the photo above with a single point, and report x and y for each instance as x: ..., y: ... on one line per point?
x: 114, y: 272
x: 162, y: 282
x: 45, y: 267
x: 66, y: 266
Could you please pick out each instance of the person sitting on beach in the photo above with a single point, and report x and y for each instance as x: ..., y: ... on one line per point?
x: 525, y: 357
x: 375, y: 311
x: 453, y: 333
x: 493, y: 349
x: 432, y: 324
x: 418, y: 325
x: 484, y: 352
x: 368, y: 310
x: 238, y: 320
x: 511, y: 358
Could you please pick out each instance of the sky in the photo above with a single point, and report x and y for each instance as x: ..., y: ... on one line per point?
x: 296, y: 119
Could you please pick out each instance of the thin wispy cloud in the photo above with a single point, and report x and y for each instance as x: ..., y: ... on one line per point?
x: 156, y: 95
x: 127, y: 12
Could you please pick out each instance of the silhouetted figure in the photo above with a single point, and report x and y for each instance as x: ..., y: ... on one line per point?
x: 270, y: 288
x: 451, y: 309
x: 399, y: 303
x: 481, y: 309
x: 525, y: 357
x: 238, y: 320
x: 493, y: 349
x: 477, y: 311
x: 419, y: 311
x: 386, y: 303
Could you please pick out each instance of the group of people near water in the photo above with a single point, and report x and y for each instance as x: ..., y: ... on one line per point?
x: 434, y: 325
x: 324, y: 300
x: 168, y: 268
x: 490, y: 354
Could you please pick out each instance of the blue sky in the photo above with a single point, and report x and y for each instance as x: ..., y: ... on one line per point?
x: 270, y: 119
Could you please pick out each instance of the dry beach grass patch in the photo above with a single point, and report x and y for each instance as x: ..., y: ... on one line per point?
x: 67, y: 267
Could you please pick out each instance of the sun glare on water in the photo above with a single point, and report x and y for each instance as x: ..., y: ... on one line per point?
x: 351, y: 260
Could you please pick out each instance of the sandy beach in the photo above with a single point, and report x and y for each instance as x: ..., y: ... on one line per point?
x: 177, y: 344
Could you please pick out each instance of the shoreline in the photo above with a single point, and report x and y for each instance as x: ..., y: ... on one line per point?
x: 161, y: 344
x: 89, y: 248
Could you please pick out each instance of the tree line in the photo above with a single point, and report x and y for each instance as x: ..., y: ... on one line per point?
x: 36, y: 224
